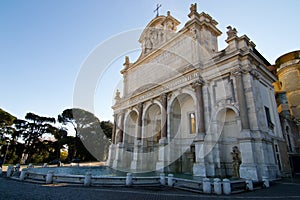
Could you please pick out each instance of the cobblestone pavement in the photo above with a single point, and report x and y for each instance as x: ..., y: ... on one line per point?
x: 11, y: 189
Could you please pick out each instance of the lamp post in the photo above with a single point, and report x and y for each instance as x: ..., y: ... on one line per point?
x: 6, y: 152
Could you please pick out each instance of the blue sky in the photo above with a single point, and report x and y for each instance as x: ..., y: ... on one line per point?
x: 43, y: 44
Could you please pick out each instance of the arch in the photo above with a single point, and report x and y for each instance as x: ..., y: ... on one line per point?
x: 177, y: 93
x: 179, y: 108
x: 148, y: 104
x: 151, y: 126
x: 130, y: 128
x: 229, y: 128
x: 221, y: 109
x: 180, y: 132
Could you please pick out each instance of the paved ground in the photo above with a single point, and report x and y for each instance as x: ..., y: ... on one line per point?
x: 11, y: 189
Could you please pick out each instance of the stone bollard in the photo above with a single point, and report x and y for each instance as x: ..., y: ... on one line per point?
x: 128, y: 179
x: 162, y: 179
x: 206, y: 186
x: 23, y: 174
x: 170, y: 180
x: 9, y: 171
x: 88, y: 179
x: 226, y: 186
x: 30, y: 165
x: 249, y: 184
x: 49, y: 177
x: 266, y: 182
x: 217, y: 186
x: 17, y: 170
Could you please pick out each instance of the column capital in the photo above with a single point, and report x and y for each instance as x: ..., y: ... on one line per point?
x: 239, y: 71
x: 200, y: 82
x: 255, y: 74
x: 139, y: 106
x: 163, y: 97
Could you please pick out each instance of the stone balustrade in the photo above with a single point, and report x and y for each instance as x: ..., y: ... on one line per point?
x: 203, y: 185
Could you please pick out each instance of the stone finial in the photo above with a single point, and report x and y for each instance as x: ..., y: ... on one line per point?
x: 232, y: 32
x: 193, y: 11
x: 193, y: 7
x: 117, y: 97
x: 127, y: 62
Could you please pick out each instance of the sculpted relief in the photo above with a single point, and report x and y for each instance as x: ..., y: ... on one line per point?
x: 158, y: 32
x: 154, y: 37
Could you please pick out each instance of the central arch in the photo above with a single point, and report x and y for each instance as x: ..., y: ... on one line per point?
x: 130, y: 130
x: 182, y: 129
x: 152, y: 127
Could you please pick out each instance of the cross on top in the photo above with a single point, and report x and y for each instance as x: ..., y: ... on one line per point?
x: 157, y: 8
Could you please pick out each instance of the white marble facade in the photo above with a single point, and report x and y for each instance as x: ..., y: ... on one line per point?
x: 185, y: 104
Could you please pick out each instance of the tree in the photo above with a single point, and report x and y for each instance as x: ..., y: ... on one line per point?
x: 6, y: 118
x: 61, y: 136
x: 32, y: 131
x: 88, y: 132
x: 6, y: 122
x: 107, y: 128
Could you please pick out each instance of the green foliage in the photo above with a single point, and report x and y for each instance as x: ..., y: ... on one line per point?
x: 89, y: 134
x: 6, y: 122
x: 6, y: 118
x: 91, y: 140
x: 107, y: 128
x: 32, y: 131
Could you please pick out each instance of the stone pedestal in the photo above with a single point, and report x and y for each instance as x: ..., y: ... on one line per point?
x: 135, y: 163
x: 87, y: 179
x: 217, y: 186
x: 210, y: 169
x: 162, y: 162
x: 111, y: 155
x: 226, y: 186
x: 248, y: 168
x: 206, y: 186
x: 117, y: 162
x: 249, y: 171
x: 199, y: 168
x: 23, y: 174
x: 128, y: 179
x: 49, y: 177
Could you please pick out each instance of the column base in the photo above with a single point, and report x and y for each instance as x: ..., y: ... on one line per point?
x: 163, y: 141
x: 270, y: 171
x: 117, y: 162
x: 111, y: 155
x: 199, y: 137
x: 199, y: 169
x: 249, y: 171
x: 161, y: 166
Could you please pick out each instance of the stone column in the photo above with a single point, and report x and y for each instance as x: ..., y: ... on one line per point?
x: 121, y: 129
x: 241, y: 98
x: 164, y: 103
x: 248, y: 168
x: 199, y: 106
x: 113, y: 139
x: 118, y: 150
x: 136, y: 158
x: 161, y: 162
x: 199, y: 168
x: 140, y: 121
